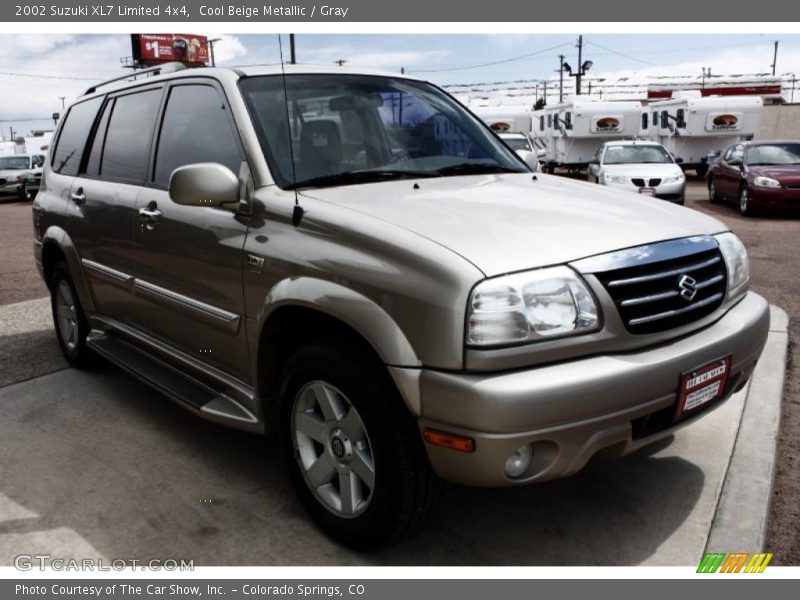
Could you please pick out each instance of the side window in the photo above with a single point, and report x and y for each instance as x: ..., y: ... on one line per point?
x: 568, y: 120
x: 737, y: 154
x: 550, y: 120
x: 728, y: 153
x: 664, y: 119
x: 74, y: 133
x: 127, y: 144
x: 555, y: 121
x: 96, y: 153
x: 196, y: 128
x: 541, y: 122
x: 680, y: 117
x: 644, y: 120
x: 655, y: 118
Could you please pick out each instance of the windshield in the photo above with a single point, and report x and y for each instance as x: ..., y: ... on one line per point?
x: 355, y: 129
x: 774, y: 154
x: 628, y: 155
x: 517, y: 143
x: 13, y: 163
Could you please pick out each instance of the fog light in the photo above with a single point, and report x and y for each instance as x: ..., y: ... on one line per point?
x: 518, y: 463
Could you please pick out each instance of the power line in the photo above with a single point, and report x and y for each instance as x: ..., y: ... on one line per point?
x: 39, y: 76
x: 639, y: 60
x: 489, y: 64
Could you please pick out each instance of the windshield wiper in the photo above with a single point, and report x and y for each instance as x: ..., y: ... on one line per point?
x: 475, y: 168
x: 369, y: 176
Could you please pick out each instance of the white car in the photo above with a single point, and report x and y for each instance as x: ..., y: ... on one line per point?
x: 525, y: 148
x: 639, y: 166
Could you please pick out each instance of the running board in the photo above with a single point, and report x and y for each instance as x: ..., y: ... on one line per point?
x: 196, y: 396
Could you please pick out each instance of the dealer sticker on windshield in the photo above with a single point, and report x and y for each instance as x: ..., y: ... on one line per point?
x: 702, y: 385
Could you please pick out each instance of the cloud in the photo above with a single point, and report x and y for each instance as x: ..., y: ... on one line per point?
x: 228, y: 49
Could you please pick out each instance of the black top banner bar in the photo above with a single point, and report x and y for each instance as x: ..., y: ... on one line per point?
x: 464, y: 11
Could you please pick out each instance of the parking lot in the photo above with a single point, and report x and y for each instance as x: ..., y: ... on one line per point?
x: 99, y: 465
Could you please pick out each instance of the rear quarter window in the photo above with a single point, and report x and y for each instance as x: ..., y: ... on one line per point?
x: 74, y: 134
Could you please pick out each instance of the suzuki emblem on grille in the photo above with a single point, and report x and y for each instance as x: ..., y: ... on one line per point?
x: 687, y: 287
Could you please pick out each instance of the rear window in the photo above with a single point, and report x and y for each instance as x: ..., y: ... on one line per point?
x: 74, y: 133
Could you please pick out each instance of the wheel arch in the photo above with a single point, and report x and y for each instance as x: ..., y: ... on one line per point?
x: 300, y: 310
x: 57, y: 246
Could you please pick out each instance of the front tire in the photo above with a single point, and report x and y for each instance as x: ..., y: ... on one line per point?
x: 353, y: 450
x: 69, y: 320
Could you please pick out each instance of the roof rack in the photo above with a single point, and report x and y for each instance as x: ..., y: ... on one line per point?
x: 170, y: 67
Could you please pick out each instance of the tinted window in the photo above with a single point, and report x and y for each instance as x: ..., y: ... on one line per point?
x: 96, y: 153
x: 74, y: 133
x: 568, y: 120
x: 644, y: 120
x: 126, y: 149
x: 680, y: 117
x: 541, y: 123
x: 664, y: 119
x: 196, y: 128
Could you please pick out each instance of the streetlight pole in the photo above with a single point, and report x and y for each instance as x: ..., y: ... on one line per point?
x: 211, y: 50
x: 561, y: 79
x: 292, y: 55
x: 580, y: 67
x: 775, y: 58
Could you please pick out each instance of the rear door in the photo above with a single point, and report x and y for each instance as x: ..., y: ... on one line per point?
x: 189, y: 259
x: 103, y: 199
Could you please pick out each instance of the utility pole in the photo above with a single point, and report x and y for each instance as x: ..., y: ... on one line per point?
x: 793, y: 80
x: 545, y: 93
x: 580, y: 68
x: 561, y: 78
x: 211, y: 50
x: 775, y: 58
x: 292, y: 55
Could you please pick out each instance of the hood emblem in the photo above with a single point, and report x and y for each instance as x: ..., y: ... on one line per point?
x: 687, y: 286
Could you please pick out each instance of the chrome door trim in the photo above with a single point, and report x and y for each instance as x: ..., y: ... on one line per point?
x: 208, y: 314
x: 107, y: 274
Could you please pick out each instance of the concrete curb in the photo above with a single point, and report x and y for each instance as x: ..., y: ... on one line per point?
x: 740, y: 521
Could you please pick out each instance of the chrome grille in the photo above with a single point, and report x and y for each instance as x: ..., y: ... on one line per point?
x: 666, y: 294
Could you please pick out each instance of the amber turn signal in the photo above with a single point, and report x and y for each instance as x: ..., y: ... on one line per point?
x: 448, y: 440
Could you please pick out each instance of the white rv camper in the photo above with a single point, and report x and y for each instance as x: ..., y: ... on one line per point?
x: 694, y: 129
x: 512, y: 119
x: 573, y: 131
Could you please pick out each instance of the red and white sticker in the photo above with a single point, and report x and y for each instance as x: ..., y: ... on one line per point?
x: 702, y: 385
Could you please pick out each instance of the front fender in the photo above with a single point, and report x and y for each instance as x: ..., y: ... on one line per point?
x: 359, y: 312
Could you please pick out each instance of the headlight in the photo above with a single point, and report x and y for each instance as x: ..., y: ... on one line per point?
x: 673, y: 178
x: 615, y: 178
x: 736, y: 261
x: 530, y: 306
x: 766, y: 182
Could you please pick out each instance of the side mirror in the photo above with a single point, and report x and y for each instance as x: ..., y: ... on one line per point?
x: 735, y: 162
x: 678, y: 160
x: 594, y: 162
x: 530, y: 159
x: 203, y: 184
x: 541, y: 153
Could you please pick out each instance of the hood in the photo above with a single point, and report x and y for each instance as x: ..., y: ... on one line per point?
x: 646, y: 170
x: 507, y: 223
x: 783, y: 173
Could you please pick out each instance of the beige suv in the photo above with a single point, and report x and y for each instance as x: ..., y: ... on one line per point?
x: 356, y: 263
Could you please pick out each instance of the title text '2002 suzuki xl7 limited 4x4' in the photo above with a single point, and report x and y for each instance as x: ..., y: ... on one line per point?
x: 355, y: 263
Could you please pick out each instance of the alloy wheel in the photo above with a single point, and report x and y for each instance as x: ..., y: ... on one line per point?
x: 67, y: 315
x: 333, y: 449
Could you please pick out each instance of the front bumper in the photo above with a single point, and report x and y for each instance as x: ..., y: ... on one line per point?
x: 571, y: 410
x: 778, y: 199
x: 12, y: 188
x: 674, y: 192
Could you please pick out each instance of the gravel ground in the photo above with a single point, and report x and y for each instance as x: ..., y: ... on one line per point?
x: 771, y: 239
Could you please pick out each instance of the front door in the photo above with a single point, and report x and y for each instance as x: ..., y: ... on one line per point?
x: 189, y: 258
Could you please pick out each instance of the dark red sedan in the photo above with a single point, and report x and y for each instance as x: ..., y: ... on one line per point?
x: 763, y: 174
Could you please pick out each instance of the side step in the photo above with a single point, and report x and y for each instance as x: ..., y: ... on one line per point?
x: 196, y: 396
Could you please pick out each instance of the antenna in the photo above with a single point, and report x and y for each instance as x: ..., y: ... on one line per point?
x: 297, y: 213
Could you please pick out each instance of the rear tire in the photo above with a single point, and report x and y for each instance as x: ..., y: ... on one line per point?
x: 340, y: 415
x: 70, y: 322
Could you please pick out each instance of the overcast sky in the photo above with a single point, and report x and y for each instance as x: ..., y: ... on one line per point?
x: 64, y: 65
